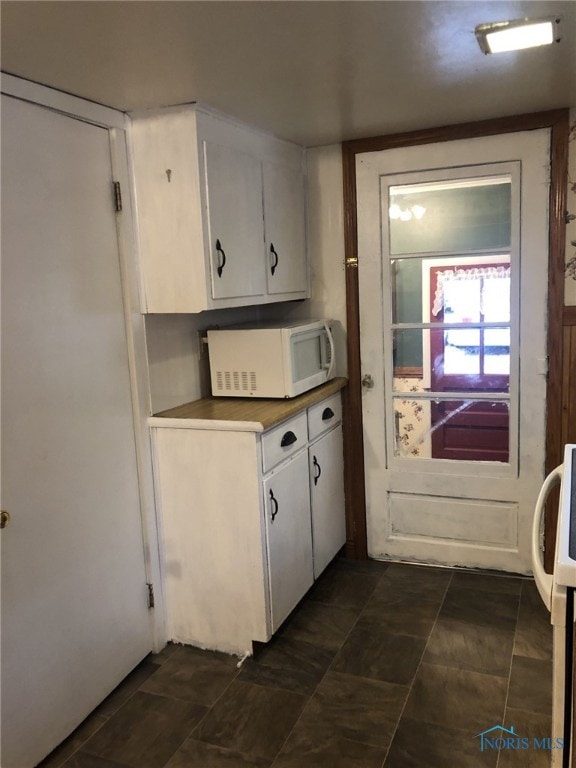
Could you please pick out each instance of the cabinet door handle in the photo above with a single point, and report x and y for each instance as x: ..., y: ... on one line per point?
x: 275, y: 255
x: 222, y: 262
x: 318, y: 468
x: 274, y: 501
x: 327, y: 414
x: 288, y: 439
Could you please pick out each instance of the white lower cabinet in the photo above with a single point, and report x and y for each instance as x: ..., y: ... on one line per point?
x: 288, y: 536
x: 326, y: 464
x: 248, y: 520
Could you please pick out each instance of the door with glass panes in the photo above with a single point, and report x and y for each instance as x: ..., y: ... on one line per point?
x: 452, y: 256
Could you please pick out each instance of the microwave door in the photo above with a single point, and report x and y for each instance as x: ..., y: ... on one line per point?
x: 308, y: 360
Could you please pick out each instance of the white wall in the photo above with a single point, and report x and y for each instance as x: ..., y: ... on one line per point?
x: 178, y: 361
x: 326, y: 245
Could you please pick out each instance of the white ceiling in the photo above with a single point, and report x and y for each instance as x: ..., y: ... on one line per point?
x: 314, y: 72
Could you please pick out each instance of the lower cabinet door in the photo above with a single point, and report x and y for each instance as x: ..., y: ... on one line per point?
x: 327, y: 493
x: 288, y: 536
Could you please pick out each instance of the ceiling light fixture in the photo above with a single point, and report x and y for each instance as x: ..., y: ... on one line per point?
x: 406, y: 214
x: 516, y: 35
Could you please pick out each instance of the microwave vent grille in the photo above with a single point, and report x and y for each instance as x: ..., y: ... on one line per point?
x: 236, y: 381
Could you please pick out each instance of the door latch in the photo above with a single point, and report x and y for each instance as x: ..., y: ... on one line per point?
x: 368, y: 381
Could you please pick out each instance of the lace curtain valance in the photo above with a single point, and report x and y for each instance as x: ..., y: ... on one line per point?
x: 463, y: 273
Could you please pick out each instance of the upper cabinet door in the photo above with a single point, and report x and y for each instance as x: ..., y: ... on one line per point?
x: 284, y: 214
x: 235, y: 222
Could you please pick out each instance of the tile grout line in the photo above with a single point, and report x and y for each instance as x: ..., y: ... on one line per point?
x: 106, y: 718
x: 327, y: 669
x: 204, y: 716
x: 104, y: 722
x: 265, y: 686
x: 79, y: 747
x: 381, y: 577
x: 510, y: 667
x: 417, y: 670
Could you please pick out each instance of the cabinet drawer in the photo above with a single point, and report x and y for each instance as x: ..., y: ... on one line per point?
x: 284, y: 440
x: 324, y: 416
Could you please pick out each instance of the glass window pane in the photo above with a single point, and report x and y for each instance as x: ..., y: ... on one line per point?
x: 461, y: 352
x: 412, y: 428
x: 497, y: 350
x: 407, y: 290
x: 462, y: 300
x: 458, y: 430
x: 456, y: 289
x: 408, y: 349
x: 453, y: 359
x: 496, y: 299
x: 450, y: 216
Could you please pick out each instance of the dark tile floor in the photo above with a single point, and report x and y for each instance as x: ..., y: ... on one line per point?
x: 381, y: 666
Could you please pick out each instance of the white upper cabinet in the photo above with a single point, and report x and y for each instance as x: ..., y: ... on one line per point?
x: 220, y: 212
x: 287, y: 270
x: 235, y: 222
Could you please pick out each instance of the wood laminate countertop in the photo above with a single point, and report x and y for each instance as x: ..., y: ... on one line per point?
x: 241, y: 413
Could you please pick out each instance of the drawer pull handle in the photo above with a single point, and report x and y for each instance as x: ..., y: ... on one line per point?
x: 288, y: 439
x: 274, y: 505
x: 327, y: 414
x: 222, y: 264
x: 275, y: 264
x: 318, y: 468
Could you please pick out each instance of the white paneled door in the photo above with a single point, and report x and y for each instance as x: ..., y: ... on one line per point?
x: 453, y: 260
x: 75, y: 618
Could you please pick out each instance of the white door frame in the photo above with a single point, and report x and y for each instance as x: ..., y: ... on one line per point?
x: 558, y: 121
x: 117, y: 124
x: 475, y: 514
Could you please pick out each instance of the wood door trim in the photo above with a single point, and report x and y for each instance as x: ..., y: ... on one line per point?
x: 408, y: 372
x: 558, y: 121
x: 569, y: 315
x: 355, y: 490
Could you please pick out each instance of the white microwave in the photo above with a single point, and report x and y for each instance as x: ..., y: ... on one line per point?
x: 271, y: 360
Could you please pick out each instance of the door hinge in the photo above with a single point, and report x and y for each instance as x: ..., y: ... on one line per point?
x: 117, y: 196
x: 150, y: 595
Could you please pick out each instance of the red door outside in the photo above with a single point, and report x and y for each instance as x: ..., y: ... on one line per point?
x: 475, y: 359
